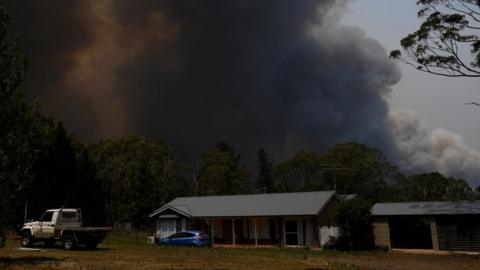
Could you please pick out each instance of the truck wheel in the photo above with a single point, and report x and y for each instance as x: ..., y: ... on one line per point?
x: 27, y: 239
x: 68, y: 242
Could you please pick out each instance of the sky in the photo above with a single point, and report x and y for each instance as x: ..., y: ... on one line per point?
x: 439, y: 102
x: 276, y: 74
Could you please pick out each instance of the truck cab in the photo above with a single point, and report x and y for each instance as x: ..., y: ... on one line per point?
x: 64, y: 224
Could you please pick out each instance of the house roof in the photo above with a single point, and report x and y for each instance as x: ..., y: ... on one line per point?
x: 426, y: 208
x: 272, y: 204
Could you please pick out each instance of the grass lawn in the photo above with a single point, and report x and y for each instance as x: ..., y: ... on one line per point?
x: 122, y: 251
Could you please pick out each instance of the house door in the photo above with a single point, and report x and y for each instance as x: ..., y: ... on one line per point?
x: 167, y: 227
x: 291, y: 232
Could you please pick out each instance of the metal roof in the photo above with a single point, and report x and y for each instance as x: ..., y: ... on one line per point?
x: 272, y: 204
x: 426, y: 208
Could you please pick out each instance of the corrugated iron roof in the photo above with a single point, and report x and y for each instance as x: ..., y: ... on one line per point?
x: 426, y: 208
x: 271, y: 204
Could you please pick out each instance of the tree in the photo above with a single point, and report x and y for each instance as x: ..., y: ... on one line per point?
x: 359, y: 169
x: 264, y: 181
x: 301, y: 173
x: 21, y: 127
x: 220, y: 173
x: 431, y: 187
x: 447, y: 42
x: 63, y: 175
x: 346, y: 168
x: 87, y: 192
x: 137, y: 175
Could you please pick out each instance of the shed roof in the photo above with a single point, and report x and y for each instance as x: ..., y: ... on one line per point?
x: 426, y: 208
x: 272, y: 204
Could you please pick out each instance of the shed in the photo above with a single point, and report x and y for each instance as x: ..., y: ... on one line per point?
x: 285, y: 219
x: 449, y: 226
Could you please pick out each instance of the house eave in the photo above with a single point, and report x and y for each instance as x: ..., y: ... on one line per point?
x: 169, y: 207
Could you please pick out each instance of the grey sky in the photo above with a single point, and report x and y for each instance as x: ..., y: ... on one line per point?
x: 438, y: 101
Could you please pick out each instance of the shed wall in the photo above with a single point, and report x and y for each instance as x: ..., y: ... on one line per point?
x: 381, y: 232
x: 433, y: 229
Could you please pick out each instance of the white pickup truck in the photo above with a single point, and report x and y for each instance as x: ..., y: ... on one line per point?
x: 65, y: 225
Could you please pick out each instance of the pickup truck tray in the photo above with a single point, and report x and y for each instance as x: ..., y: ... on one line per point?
x: 86, y: 229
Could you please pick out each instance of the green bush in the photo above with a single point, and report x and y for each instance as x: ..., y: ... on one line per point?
x: 353, y: 218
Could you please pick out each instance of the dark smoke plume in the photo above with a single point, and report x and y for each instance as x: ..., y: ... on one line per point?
x: 274, y: 74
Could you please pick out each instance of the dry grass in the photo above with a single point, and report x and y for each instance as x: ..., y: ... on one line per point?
x: 121, y: 251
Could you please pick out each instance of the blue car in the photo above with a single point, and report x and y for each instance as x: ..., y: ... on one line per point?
x: 186, y: 238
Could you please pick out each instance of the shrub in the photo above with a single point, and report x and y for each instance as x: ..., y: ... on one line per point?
x: 353, y: 218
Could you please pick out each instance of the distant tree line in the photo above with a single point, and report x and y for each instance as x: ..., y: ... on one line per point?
x: 120, y: 181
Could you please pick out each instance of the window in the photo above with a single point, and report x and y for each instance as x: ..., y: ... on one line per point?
x: 47, y: 217
x: 272, y: 227
x: 178, y: 235
x: 70, y: 216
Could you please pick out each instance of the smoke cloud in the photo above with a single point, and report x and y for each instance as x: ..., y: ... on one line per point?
x: 440, y: 150
x: 271, y: 74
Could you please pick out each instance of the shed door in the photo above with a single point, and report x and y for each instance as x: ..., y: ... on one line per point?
x: 413, y: 233
x: 459, y: 233
x: 167, y: 227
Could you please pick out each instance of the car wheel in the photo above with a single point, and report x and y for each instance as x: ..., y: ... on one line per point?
x: 27, y: 239
x: 68, y: 242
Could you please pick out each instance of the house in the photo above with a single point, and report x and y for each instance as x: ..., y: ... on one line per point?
x: 449, y: 226
x: 283, y: 219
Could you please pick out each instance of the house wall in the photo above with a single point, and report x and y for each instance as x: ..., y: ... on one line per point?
x: 326, y: 217
x: 325, y: 225
x: 381, y: 232
x: 308, y: 227
x: 168, y: 223
x: 168, y: 226
x: 306, y: 230
x: 263, y: 228
x: 217, y: 228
